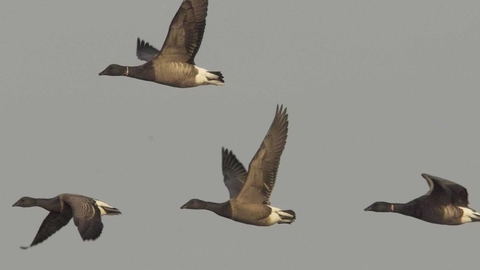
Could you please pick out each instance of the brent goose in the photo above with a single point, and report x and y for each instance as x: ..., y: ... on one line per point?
x: 174, y: 64
x: 85, y: 211
x: 445, y: 203
x: 250, y: 192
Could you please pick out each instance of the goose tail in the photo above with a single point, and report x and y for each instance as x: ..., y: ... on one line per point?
x: 208, y: 77
x: 215, y: 77
x: 106, y: 209
x: 476, y: 216
x: 286, y: 216
x: 469, y: 215
x: 111, y: 211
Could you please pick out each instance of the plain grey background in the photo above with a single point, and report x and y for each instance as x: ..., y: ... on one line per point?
x: 378, y: 92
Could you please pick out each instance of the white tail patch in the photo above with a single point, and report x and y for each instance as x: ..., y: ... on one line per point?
x: 100, y: 205
x: 469, y: 215
x: 274, y: 216
x: 279, y: 216
x: 205, y: 77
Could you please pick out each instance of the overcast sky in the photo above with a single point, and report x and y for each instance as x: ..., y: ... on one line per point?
x: 377, y: 92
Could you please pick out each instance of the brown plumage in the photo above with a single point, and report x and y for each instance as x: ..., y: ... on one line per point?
x: 445, y: 203
x: 85, y: 211
x: 234, y: 174
x: 250, y: 192
x: 174, y: 64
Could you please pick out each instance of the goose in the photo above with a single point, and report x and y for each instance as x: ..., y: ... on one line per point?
x: 174, y: 64
x: 250, y: 192
x: 85, y: 211
x: 445, y: 203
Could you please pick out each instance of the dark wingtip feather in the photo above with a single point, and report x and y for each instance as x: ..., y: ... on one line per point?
x: 92, y: 232
x: 281, y: 110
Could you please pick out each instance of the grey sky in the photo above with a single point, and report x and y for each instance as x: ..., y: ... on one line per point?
x: 378, y: 92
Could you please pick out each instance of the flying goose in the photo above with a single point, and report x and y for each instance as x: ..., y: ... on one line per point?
x: 445, y: 203
x: 174, y: 64
x: 85, y: 211
x: 250, y: 192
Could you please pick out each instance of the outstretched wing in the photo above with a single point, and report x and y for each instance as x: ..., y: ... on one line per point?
x: 51, y: 224
x: 234, y: 174
x: 86, y: 216
x: 185, y: 33
x: 446, y: 191
x: 89, y: 229
x: 263, y: 168
x: 145, y: 51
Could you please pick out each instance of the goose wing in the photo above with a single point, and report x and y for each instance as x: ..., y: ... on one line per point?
x: 86, y: 216
x: 51, y: 224
x: 145, y: 51
x: 234, y: 174
x: 185, y: 33
x: 263, y: 168
x: 446, y: 191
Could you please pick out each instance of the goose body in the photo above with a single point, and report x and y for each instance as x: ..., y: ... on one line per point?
x: 250, y: 192
x: 174, y: 65
x: 445, y: 203
x: 85, y: 211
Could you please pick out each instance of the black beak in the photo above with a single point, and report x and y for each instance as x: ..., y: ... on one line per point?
x: 367, y: 209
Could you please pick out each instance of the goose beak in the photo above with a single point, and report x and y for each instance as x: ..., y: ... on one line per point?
x: 183, y: 206
x: 101, y: 73
x: 367, y: 209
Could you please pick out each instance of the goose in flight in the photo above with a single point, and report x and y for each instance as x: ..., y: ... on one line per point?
x: 174, y: 64
x: 250, y: 192
x: 445, y: 203
x: 85, y: 211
